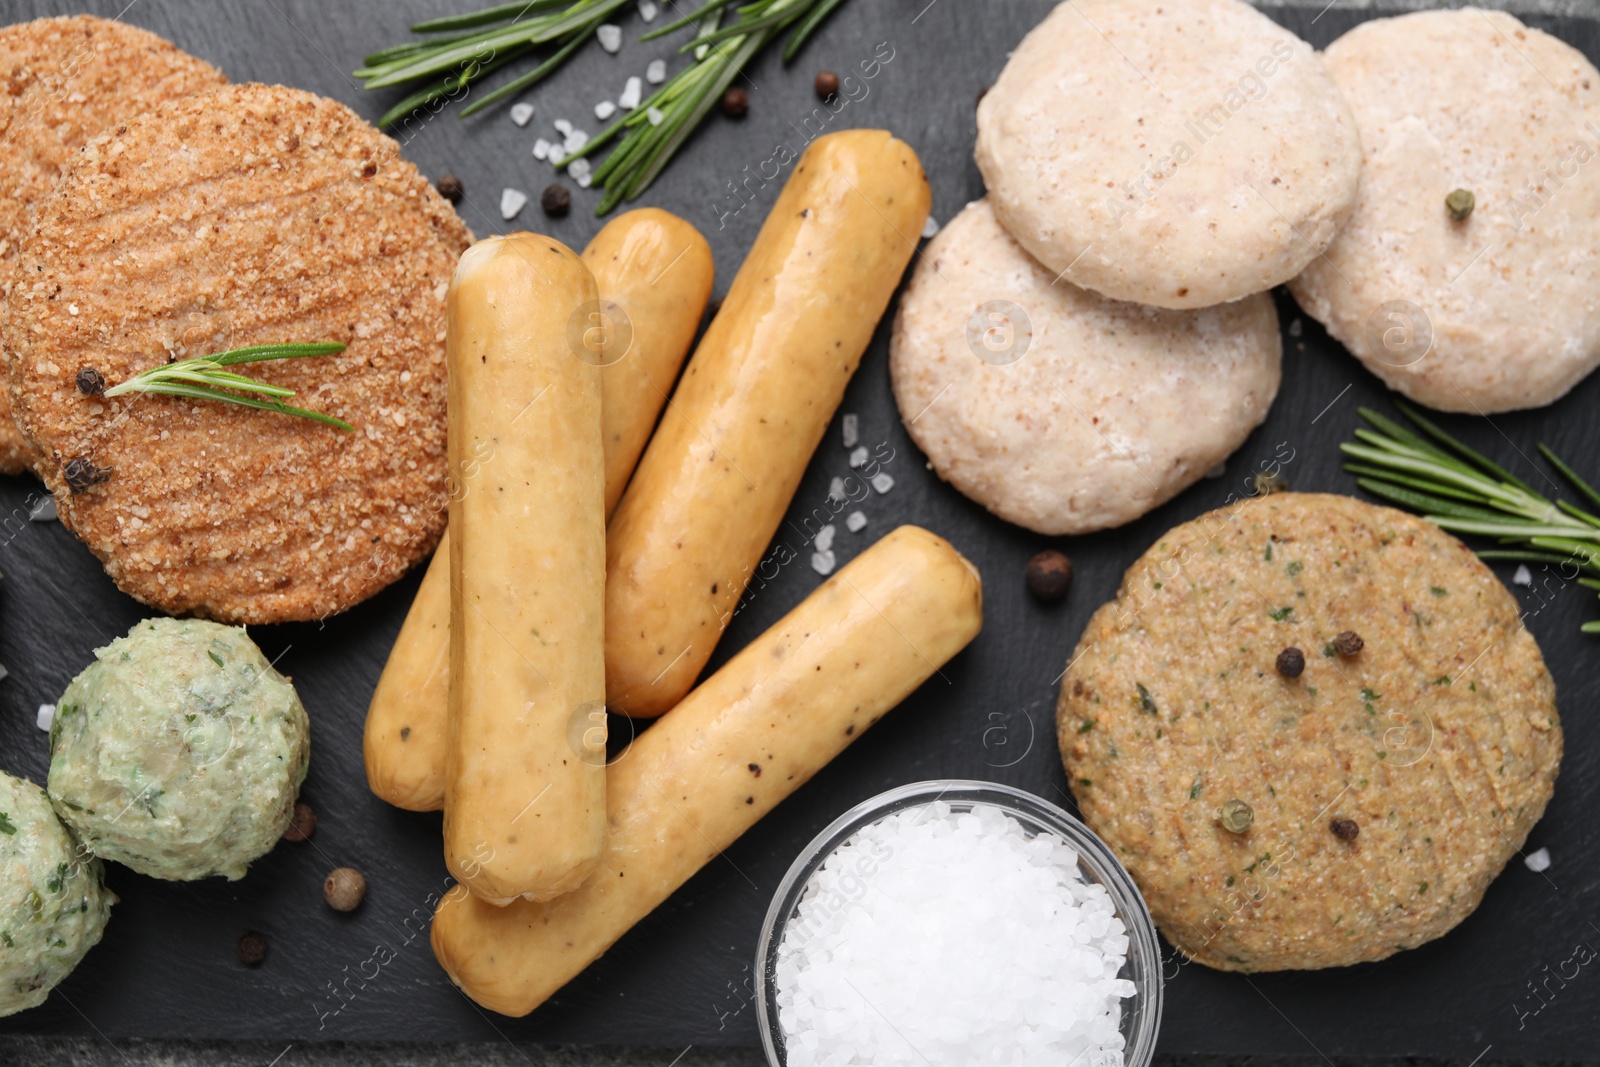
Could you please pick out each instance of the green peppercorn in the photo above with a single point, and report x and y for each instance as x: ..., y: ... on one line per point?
x: 1460, y: 203
x: 1236, y: 816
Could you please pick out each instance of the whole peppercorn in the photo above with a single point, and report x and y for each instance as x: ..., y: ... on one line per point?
x: 303, y: 825
x: 252, y: 948
x: 451, y: 189
x: 1236, y: 816
x: 90, y: 381
x: 344, y: 889
x: 827, y: 84
x: 735, y: 102
x: 1049, y: 575
x: 1459, y: 204
x: 1348, y: 643
x: 1291, y: 662
x: 1345, y: 829
x: 556, y: 200
x: 80, y: 474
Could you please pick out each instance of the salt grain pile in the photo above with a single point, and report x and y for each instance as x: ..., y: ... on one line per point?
x: 941, y: 937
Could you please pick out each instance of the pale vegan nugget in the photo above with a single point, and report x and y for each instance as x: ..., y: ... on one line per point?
x: 1278, y: 818
x: 65, y: 80
x: 246, y: 215
x: 1467, y: 277
x: 1180, y: 153
x: 1058, y: 409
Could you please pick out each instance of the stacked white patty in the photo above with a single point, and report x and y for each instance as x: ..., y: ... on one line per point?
x: 1190, y: 155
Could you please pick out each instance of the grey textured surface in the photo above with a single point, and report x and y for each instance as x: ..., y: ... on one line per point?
x: 240, y: 36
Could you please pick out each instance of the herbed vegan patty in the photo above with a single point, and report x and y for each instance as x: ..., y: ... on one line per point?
x: 247, y: 215
x: 1387, y: 787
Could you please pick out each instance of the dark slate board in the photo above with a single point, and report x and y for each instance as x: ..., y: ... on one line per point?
x: 167, y: 967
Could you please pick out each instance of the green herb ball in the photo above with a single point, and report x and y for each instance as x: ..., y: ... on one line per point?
x: 179, y: 752
x: 53, y: 899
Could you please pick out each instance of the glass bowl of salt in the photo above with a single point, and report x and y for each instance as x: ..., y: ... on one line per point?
x: 961, y: 923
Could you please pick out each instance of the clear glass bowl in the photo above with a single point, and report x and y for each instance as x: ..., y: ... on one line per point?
x: 1141, y: 1013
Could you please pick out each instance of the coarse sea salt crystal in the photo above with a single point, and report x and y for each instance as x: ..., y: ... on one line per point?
x: 582, y: 172
x: 654, y: 116
x: 522, y: 114
x: 1539, y: 861
x: 858, y: 458
x: 1523, y: 576
x: 822, y: 562
x: 574, y: 141
x: 46, y: 716
x: 856, y: 521
x: 882, y: 482
x: 656, y: 72
x: 604, y: 110
x: 982, y: 943
x: 648, y: 10
x: 563, y: 127
x: 541, y: 149
x: 930, y: 227
x: 852, y: 430
x: 610, y: 37
x: 836, y: 489
x: 511, y: 202
x: 824, y: 539
x: 632, y: 91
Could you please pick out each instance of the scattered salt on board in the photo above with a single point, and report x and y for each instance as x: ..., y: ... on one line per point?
x: 46, y: 716
x: 858, y: 458
x: 822, y: 562
x: 882, y: 482
x: 856, y: 521
x: 982, y: 943
x: 1523, y: 576
x: 852, y: 430
x: 511, y: 202
x: 610, y: 37
x: 656, y: 72
x: 522, y: 114
x: 1539, y: 861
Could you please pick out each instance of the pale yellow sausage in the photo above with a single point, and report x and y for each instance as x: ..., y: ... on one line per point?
x: 524, y: 811
x: 657, y: 269
x: 404, y: 740
x: 753, y: 403
x: 749, y: 736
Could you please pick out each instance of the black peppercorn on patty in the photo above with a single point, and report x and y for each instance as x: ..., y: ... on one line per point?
x: 65, y: 80
x: 246, y: 215
x: 1439, y: 740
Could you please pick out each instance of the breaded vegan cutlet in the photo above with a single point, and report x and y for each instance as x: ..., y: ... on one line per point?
x: 250, y: 214
x: 65, y: 80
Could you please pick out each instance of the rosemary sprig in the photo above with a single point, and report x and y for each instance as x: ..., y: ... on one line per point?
x: 471, y: 46
x: 653, y: 133
x: 464, y: 49
x: 204, y: 378
x: 1428, y: 471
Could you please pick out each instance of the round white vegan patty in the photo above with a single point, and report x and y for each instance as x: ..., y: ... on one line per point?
x: 1500, y: 310
x: 179, y: 751
x: 1389, y: 779
x: 1058, y: 409
x: 53, y: 899
x: 1179, y: 153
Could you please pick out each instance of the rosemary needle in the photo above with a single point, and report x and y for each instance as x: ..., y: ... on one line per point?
x: 204, y: 378
x: 1428, y: 471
